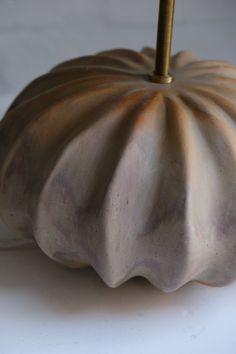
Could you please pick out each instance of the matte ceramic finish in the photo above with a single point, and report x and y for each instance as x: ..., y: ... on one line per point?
x: 103, y: 167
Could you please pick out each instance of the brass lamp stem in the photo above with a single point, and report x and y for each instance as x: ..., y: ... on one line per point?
x: 164, y: 38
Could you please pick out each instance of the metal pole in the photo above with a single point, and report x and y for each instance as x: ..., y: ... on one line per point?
x: 164, y: 39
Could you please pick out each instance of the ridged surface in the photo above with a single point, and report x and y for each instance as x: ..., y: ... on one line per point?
x: 105, y: 168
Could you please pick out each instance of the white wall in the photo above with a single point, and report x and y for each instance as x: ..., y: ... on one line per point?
x: 36, y: 34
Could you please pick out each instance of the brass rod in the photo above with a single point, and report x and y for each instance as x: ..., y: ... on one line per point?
x: 164, y: 39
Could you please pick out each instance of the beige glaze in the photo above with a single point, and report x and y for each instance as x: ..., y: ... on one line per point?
x: 103, y: 167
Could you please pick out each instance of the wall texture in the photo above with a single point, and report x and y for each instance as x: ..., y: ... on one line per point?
x: 36, y: 34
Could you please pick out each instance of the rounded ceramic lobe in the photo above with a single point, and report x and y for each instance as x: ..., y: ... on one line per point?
x: 103, y: 167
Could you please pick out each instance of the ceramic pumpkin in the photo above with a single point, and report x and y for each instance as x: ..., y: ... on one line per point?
x: 106, y: 168
x: 102, y: 166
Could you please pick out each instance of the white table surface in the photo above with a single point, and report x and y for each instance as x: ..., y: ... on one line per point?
x: 46, y: 308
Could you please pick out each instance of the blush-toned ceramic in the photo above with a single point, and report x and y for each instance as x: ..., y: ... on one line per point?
x: 103, y: 167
